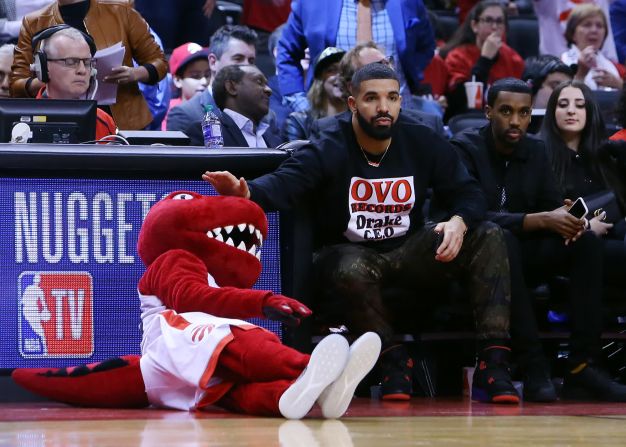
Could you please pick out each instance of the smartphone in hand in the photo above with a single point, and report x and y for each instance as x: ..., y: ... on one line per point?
x: 579, y: 208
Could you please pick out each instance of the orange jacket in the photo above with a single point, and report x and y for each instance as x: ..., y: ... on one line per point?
x: 108, y: 22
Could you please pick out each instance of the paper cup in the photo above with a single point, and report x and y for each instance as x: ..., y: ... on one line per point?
x: 474, y: 94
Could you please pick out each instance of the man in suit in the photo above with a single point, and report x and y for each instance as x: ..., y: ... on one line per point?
x: 242, y: 94
x: 401, y: 27
x: 229, y: 45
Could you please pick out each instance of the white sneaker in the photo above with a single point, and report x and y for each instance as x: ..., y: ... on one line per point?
x: 327, y: 362
x: 364, y: 353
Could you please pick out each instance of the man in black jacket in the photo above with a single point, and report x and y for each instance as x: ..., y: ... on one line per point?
x: 543, y: 239
x: 367, y: 172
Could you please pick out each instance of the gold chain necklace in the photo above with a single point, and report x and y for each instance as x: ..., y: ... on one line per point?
x: 374, y: 164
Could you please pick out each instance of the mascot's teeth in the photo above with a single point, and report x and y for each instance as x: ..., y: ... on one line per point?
x: 252, y: 250
x: 229, y: 228
x: 258, y: 255
x: 242, y: 227
x: 257, y: 233
x: 230, y: 242
x: 219, y: 237
x: 210, y: 234
x: 251, y: 228
x: 241, y: 246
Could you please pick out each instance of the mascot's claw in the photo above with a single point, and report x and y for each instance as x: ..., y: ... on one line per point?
x: 285, y: 310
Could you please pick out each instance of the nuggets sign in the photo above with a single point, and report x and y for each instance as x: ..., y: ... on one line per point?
x: 56, y: 314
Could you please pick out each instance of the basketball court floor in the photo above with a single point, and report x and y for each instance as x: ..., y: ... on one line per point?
x: 419, y: 422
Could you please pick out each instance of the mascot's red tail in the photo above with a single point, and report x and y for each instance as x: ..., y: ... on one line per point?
x: 113, y: 383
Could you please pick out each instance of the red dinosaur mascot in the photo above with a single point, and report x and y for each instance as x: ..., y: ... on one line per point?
x: 202, y: 256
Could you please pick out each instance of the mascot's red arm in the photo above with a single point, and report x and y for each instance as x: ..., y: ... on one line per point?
x: 179, y: 279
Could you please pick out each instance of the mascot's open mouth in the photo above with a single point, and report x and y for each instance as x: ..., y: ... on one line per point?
x: 245, y: 237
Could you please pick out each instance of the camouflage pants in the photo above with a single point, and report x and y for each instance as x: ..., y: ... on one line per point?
x: 350, y: 280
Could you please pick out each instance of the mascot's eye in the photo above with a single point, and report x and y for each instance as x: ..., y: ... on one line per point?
x: 183, y: 196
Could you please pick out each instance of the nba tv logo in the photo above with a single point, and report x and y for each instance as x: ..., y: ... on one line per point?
x: 55, y: 314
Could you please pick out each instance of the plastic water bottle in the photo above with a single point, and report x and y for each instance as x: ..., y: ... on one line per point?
x: 212, y: 129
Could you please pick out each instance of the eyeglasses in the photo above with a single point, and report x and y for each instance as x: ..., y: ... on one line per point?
x: 499, y: 21
x: 72, y: 62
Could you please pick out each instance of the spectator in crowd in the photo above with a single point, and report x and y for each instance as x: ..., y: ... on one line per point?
x: 477, y: 51
x: 178, y: 21
x: 414, y: 106
x: 543, y: 74
x: 69, y: 68
x: 11, y: 14
x: 617, y: 13
x: 110, y: 22
x: 400, y: 27
x: 585, y: 33
x: 369, y: 180
x: 189, y: 67
x: 325, y: 96
x: 229, y: 45
x: 583, y: 161
x: 6, y: 60
x: 276, y: 100
x: 242, y: 94
x: 523, y: 198
x: 553, y: 16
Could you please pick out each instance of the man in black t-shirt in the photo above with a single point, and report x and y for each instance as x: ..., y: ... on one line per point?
x: 367, y: 173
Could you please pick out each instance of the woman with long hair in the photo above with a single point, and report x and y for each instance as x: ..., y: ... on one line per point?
x: 478, y: 50
x: 587, y: 165
x: 325, y: 96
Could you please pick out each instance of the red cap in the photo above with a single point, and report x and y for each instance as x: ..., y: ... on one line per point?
x: 184, y: 54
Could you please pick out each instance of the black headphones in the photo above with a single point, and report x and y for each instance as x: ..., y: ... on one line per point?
x: 40, y: 59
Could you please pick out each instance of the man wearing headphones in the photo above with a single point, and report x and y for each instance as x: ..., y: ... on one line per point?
x: 64, y: 63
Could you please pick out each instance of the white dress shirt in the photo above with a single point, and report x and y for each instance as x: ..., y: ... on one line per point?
x: 253, y: 136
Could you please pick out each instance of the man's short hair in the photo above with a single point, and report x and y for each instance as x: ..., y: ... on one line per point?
x: 229, y: 73
x: 221, y: 37
x: 513, y: 85
x: 539, y: 67
x: 70, y: 33
x: 350, y: 61
x: 368, y: 72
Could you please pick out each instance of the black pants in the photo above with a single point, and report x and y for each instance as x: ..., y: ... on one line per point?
x: 614, y: 262
x: 536, y: 259
x: 350, y: 279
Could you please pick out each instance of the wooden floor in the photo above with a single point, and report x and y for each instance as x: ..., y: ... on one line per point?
x: 420, y: 422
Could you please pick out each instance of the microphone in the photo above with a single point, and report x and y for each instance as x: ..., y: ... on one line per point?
x: 93, y: 85
x: 21, y: 133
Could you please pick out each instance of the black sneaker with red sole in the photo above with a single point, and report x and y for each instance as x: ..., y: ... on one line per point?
x: 396, y: 372
x: 492, y: 377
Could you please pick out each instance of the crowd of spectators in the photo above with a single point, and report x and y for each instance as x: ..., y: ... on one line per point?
x: 527, y: 182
